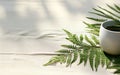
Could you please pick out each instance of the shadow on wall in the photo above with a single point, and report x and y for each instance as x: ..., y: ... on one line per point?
x: 13, y: 23
x: 46, y: 9
x: 78, y: 6
x: 36, y: 15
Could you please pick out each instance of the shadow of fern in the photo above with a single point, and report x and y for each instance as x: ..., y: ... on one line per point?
x: 115, y: 59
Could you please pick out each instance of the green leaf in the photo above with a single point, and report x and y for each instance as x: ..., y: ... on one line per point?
x: 62, y: 59
x: 98, y: 14
x: 76, y: 40
x: 69, y: 46
x: 94, y: 32
x: 91, y: 58
x: 95, y: 39
x: 81, y: 58
x: 116, y: 66
x: 103, y: 59
x: 81, y: 39
x: 85, y: 56
x: 117, y: 7
x: 109, y: 12
x: 91, y: 25
x: 96, y: 19
x: 75, y: 56
x: 102, y: 14
x: 97, y: 59
x: 68, y: 33
x: 69, y: 60
x: 53, y: 60
x: 99, y: 11
x: 89, y: 41
x: 63, y: 51
x: 108, y: 62
x: 114, y: 9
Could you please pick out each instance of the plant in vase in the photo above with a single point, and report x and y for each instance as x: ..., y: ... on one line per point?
x: 90, y: 48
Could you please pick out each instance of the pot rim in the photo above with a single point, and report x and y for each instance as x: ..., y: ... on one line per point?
x: 102, y: 25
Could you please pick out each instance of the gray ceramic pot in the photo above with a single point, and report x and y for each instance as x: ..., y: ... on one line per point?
x: 109, y: 40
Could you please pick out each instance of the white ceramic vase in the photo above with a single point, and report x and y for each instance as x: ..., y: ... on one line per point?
x: 109, y: 40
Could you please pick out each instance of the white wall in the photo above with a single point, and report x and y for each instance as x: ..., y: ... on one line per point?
x: 24, y: 24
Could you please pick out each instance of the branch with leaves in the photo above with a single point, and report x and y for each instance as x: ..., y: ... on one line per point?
x: 87, y: 49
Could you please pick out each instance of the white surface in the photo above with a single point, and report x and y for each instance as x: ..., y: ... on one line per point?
x: 32, y: 65
x: 24, y: 25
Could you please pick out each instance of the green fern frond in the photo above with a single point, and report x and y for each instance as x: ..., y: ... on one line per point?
x: 103, y: 59
x: 117, y: 7
x: 61, y: 59
x: 73, y: 38
x: 69, y: 34
x: 94, y: 38
x: 75, y: 56
x: 98, y: 14
x: 92, y: 25
x: 69, y: 60
x: 103, y: 14
x: 63, y: 51
x: 81, y: 56
x: 89, y: 41
x: 115, y: 15
x: 93, y: 28
x: 94, y: 32
x: 91, y: 59
x: 97, y: 60
x: 113, y: 8
x: 85, y: 55
x: 96, y: 19
x: 87, y: 49
x: 81, y: 38
x: 70, y: 46
x: 116, y: 66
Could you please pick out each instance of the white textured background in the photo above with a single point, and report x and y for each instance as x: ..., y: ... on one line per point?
x: 32, y: 26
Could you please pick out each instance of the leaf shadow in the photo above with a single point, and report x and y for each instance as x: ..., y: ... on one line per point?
x: 115, y: 59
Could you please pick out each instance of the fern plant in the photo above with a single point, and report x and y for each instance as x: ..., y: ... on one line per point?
x: 85, y: 49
